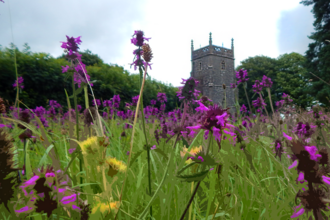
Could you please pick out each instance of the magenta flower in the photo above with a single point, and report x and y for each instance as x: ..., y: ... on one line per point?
x: 233, y: 85
x: 258, y: 103
x: 243, y: 108
x: 300, y: 212
x: 71, y: 44
x: 24, y: 209
x: 241, y: 76
x: 161, y: 97
x: 201, y: 108
x: 214, y: 119
x: 20, y: 82
x: 312, y: 151
x: 257, y: 87
x: 135, y: 100
x: 153, y: 102
x: 98, y: 102
x: 287, y: 136
x: 71, y: 150
x: 266, y: 82
x: 304, y: 130
x: 139, y: 39
x: 153, y: 147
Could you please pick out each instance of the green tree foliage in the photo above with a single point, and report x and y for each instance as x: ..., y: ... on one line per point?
x: 292, y: 79
x: 287, y: 73
x: 44, y: 80
x: 317, y: 56
x: 257, y: 67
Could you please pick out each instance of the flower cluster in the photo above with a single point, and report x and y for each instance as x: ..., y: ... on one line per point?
x: 214, y: 119
x: 243, y: 109
x: 258, y: 103
x: 40, y: 193
x: 257, y: 87
x: 20, y: 83
x: 313, y: 168
x: 138, y: 41
x: 80, y: 74
x: 267, y: 82
x: 161, y: 97
x: 241, y: 76
x: 188, y: 92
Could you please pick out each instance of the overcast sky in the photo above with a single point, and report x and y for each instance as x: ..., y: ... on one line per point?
x: 259, y: 27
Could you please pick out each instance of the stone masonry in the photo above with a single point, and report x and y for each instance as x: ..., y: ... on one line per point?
x: 214, y: 66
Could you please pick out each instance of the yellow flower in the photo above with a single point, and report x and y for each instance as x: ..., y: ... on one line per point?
x: 193, y: 151
x: 87, y: 145
x: 116, y: 164
x: 189, y: 161
x: 103, y: 207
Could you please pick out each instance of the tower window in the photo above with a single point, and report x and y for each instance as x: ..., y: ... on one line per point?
x: 200, y: 66
x: 223, y: 65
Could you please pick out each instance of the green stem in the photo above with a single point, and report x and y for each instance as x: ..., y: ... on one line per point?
x: 270, y: 99
x: 77, y: 124
x: 247, y: 98
x: 263, y: 102
x: 145, y: 135
x: 199, y: 182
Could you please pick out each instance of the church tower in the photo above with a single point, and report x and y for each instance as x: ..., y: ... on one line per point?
x: 214, y: 66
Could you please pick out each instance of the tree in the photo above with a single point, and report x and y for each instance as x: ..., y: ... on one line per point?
x: 318, y: 54
x: 292, y: 79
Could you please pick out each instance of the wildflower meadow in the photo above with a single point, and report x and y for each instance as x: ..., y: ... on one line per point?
x: 199, y: 161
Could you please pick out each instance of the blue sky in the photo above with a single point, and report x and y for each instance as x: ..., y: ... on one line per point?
x: 259, y: 27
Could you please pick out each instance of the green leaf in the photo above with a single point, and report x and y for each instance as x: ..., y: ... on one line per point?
x: 208, y: 160
x: 86, y: 184
x: 44, y: 157
x: 185, y: 143
x: 185, y: 167
x: 28, y: 163
x: 79, y: 90
x: 216, y: 215
x: 193, y: 177
x: 135, y: 157
x: 71, y: 161
x: 159, y: 151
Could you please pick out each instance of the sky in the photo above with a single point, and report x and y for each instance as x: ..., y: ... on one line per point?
x: 258, y: 27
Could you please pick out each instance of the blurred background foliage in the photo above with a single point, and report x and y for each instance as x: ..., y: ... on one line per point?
x: 44, y: 80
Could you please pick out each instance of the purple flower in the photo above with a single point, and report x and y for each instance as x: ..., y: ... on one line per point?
x: 257, y: 87
x: 300, y: 212
x: 243, y: 108
x: 162, y: 107
x: 233, y: 85
x: 98, y: 102
x: 71, y: 44
x: 258, y: 103
x: 312, y: 151
x: 135, y: 100
x: 161, y: 97
x: 153, y: 147
x: 138, y: 40
x: 25, y: 208
x: 304, y: 130
x: 153, y: 102
x: 241, y: 76
x: 71, y: 150
x: 20, y: 82
x: 267, y: 82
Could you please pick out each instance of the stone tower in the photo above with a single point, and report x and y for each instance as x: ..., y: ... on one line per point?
x: 214, y: 66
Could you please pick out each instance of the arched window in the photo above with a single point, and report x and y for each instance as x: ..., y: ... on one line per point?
x: 223, y: 65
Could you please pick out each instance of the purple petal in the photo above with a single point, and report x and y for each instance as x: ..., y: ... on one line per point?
x: 200, y: 158
x: 24, y: 209
x: 295, y: 163
x: 300, y: 212
x: 287, y: 136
